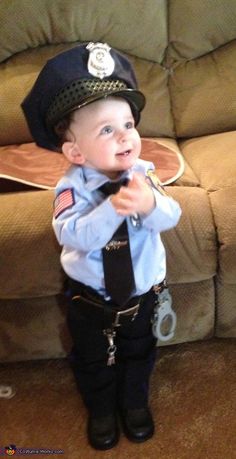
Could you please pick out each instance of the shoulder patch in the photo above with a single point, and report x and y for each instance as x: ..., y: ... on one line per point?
x: 63, y: 201
x: 155, y: 182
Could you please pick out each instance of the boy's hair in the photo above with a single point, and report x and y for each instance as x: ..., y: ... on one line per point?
x: 73, y: 79
x: 62, y: 127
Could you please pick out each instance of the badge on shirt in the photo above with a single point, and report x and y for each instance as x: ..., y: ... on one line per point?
x: 155, y: 182
x: 63, y: 201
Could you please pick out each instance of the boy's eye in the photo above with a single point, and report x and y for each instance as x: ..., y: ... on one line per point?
x: 106, y: 130
x: 129, y: 125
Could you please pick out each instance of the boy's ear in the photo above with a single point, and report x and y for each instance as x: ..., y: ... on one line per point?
x: 72, y: 153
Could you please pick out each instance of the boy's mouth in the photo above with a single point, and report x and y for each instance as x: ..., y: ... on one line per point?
x: 124, y: 153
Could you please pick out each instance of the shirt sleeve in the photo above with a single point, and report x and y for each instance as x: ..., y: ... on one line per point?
x: 165, y: 215
x: 86, y: 227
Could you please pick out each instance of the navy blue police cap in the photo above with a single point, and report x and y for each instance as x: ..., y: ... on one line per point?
x: 73, y: 79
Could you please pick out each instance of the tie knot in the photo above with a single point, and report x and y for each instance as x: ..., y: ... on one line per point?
x: 113, y: 187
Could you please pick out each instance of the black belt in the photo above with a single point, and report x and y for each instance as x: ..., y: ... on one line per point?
x: 113, y: 315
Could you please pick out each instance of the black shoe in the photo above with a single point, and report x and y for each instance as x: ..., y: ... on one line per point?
x: 103, y: 432
x: 138, y: 424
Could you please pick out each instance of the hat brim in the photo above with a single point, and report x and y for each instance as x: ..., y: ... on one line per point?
x: 135, y: 98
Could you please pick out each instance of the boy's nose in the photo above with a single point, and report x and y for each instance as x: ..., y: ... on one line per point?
x: 123, y: 135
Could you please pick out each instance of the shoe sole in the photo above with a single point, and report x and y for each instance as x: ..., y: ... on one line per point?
x: 104, y: 448
x: 137, y: 439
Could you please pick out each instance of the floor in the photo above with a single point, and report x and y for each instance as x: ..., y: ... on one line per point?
x: 193, y: 400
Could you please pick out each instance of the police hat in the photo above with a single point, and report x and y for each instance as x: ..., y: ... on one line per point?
x: 73, y: 79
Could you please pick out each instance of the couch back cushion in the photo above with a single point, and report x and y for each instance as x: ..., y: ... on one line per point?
x: 202, y: 56
x: 31, y: 32
x: 183, y: 51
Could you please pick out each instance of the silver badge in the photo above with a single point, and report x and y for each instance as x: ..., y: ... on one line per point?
x: 100, y: 63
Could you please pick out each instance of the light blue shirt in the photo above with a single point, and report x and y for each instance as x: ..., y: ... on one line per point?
x: 88, y: 224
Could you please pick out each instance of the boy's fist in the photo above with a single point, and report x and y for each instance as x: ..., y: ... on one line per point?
x: 136, y: 198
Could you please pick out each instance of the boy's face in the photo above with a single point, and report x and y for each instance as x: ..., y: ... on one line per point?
x: 104, y: 137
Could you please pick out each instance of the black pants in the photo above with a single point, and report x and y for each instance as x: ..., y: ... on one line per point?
x: 122, y: 385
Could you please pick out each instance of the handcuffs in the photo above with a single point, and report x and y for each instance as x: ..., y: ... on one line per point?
x: 163, y: 312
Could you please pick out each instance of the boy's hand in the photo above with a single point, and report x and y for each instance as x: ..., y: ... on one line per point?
x: 136, y: 198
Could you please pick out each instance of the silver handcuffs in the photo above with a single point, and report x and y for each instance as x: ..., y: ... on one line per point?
x: 162, y: 312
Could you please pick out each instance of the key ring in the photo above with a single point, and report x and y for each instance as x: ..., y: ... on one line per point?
x: 162, y: 311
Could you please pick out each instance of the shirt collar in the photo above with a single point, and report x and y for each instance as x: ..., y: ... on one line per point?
x: 94, y: 179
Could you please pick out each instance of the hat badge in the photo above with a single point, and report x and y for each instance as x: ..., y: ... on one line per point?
x: 100, y: 62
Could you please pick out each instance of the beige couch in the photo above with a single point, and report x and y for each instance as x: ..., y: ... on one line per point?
x: 184, y: 53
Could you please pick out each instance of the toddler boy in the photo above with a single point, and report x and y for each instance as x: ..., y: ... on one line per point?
x: 109, y: 212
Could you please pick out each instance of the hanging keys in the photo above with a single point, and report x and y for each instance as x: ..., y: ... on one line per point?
x: 111, y: 350
x: 111, y: 355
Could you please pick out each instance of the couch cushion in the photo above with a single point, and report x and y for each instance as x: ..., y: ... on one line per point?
x: 194, y: 304
x: 202, y: 57
x: 17, y: 76
x: 191, y: 246
x: 33, y: 166
x: 212, y: 159
x: 128, y: 26
x: 30, y: 255
x: 198, y: 27
x: 33, y: 328
x: 223, y: 204
x: 25, y: 28
x: 225, y: 310
x: 202, y: 92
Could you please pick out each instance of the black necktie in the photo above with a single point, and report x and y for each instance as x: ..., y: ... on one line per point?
x: 117, y: 262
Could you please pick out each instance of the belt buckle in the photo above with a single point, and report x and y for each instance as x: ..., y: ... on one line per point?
x: 126, y: 312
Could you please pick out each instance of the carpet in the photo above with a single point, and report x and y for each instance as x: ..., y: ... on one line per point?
x: 192, y: 396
